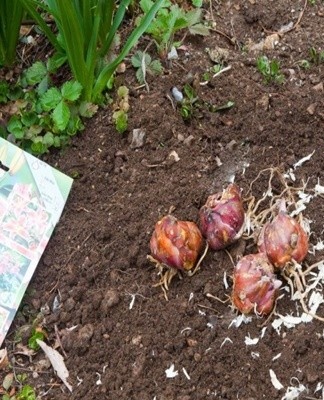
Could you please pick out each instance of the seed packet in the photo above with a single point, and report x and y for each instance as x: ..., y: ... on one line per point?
x: 32, y: 198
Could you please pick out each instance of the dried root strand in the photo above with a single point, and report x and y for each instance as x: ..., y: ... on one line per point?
x: 253, y: 213
x: 296, y: 279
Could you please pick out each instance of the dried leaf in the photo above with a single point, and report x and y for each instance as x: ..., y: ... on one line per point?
x: 57, y: 362
x: 3, y: 358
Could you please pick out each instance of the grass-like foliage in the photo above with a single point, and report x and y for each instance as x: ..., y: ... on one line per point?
x: 11, y: 13
x: 270, y: 70
x: 87, y: 33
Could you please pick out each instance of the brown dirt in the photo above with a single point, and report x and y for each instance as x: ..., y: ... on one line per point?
x: 96, y: 260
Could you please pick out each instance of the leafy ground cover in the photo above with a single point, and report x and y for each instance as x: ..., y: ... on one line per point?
x: 93, y: 294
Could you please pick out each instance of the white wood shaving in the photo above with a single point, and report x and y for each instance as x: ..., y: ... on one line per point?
x: 255, y: 355
x: 239, y: 320
x: 303, y: 160
x: 318, y: 246
x: 191, y: 296
x: 319, y: 189
x: 98, y: 381
x: 293, y: 392
x: 225, y: 280
x: 276, y: 357
x: 171, y: 372
x: 263, y: 331
x: 275, y: 381
x: 249, y: 341
x: 131, y: 304
x: 305, y: 224
x: 227, y: 339
x: 186, y: 373
x: 319, y: 386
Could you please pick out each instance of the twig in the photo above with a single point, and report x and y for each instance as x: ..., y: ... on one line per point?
x: 59, y: 340
x: 223, y: 34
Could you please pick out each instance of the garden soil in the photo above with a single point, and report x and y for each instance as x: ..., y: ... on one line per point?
x: 94, y: 290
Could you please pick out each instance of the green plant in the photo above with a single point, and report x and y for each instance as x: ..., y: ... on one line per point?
x: 191, y: 104
x: 169, y: 20
x: 41, y: 115
x: 11, y: 14
x: 9, y: 392
x: 120, y: 116
x: 316, y: 57
x: 197, y: 3
x: 144, y: 65
x: 188, y: 104
x: 87, y: 34
x: 270, y: 70
x: 37, y: 333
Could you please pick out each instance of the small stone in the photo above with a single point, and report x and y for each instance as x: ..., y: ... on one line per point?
x: 312, y: 377
x: 311, y: 109
x: 177, y: 95
x: 85, y: 334
x: 138, y: 136
x: 197, y: 357
x: 218, y: 55
x: 136, y: 340
x: 189, y: 140
x: 318, y: 87
x: 69, y: 304
x: 191, y: 342
x: 111, y: 299
x: 231, y: 145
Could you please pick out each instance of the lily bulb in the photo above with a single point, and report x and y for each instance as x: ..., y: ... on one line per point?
x: 176, y: 243
x: 255, y: 286
x: 222, y: 218
x: 283, y: 239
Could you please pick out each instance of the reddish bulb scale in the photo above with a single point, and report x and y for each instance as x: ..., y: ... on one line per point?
x: 222, y: 218
x: 176, y: 243
x: 283, y: 239
x: 255, y: 286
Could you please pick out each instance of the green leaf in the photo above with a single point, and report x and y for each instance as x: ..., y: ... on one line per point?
x: 50, y: 99
x: 29, y: 118
x: 87, y: 110
x: 193, y: 17
x: 71, y: 90
x: 61, y: 115
x: 197, y: 3
x: 140, y: 76
x: 15, y: 93
x: 74, y: 126
x: 122, y: 91
x: 32, y: 343
x: 48, y: 139
x: 26, y: 393
x: 15, y: 127
x: 36, y: 73
x: 55, y: 62
x: 156, y: 67
x: 43, y: 85
x: 225, y: 106
x: 8, y: 381
x: 199, y: 29
x: 4, y: 91
x: 137, y: 58
x: 121, y: 121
